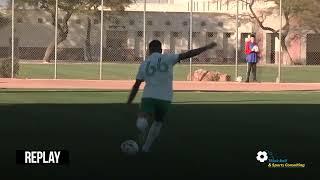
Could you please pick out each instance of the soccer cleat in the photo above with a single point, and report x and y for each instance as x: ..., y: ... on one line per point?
x: 144, y: 150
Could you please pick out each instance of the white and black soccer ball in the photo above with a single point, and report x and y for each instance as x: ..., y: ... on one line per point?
x: 239, y: 79
x: 255, y: 48
x: 129, y: 147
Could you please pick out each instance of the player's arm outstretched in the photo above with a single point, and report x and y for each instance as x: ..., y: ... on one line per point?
x: 196, y: 52
x: 134, y: 91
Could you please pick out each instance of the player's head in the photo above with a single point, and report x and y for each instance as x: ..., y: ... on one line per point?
x: 155, y: 46
x: 252, y: 38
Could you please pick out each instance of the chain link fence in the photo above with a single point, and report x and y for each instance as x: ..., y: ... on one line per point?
x: 110, y: 44
x: 35, y: 33
x: 78, y: 39
x: 124, y: 44
x: 6, y: 40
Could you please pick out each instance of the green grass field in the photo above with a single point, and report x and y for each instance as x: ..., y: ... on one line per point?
x: 128, y: 71
x: 105, y: 97
x: 205, y: 135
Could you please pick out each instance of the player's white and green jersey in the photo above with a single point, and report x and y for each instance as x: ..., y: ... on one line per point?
x: 157, y: 72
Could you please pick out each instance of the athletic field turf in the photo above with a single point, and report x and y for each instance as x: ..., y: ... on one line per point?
x: 128, y: 71
x: 207, y: 134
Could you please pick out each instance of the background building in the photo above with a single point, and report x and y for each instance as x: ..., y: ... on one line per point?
x: 166, y: 20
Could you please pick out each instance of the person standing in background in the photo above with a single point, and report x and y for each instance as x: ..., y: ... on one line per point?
x: 252, y: 50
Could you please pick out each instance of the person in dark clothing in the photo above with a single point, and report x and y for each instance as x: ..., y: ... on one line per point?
x: 252, y: 51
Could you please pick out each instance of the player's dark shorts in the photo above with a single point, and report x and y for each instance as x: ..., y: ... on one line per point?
x: 157, y: 108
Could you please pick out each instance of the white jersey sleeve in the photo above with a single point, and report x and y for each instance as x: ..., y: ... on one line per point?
x: 174, y: 58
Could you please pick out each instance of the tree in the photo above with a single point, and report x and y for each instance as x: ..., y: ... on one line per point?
x: 289, y: 8
x: 69, y: 8
x: 88, y: 40
x: 310, y: 14
x: 6, y: 63
x: 299, y: 16
x: 4, y: 19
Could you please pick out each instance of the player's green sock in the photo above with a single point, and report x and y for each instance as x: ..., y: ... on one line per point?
x: 152, y: 135
x: 142, y: 125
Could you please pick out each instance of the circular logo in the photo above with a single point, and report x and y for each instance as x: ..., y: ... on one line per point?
x: 262, y: 156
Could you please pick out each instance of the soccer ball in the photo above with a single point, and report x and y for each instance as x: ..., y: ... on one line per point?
x: 239, y: 79
x: 255, y: 48
x: 129, y: 147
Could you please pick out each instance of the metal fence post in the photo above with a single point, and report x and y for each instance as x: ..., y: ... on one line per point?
x: 144, y: 30
x: 280, y: 43
x: 12, y: 39
x: 191, y: 33
x: 237, y: 40
x: 56, y: 41
x: 101, y: 39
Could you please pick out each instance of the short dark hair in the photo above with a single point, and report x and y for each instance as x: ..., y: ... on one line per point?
x: 155, y: 45
x: 252, y: 35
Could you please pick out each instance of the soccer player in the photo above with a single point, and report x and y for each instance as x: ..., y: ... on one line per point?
x: 157, y: 72
x: 252, y: 57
